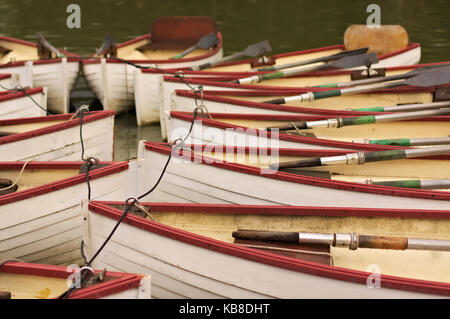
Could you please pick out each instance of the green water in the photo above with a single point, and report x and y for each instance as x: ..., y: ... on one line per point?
x: 288, y: 25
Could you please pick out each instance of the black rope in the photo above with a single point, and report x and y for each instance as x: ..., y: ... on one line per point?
x: 19, y: 88
x: 179, y: 143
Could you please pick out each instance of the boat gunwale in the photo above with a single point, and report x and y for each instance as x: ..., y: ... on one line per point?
x: 97, y: 60
x: 302, y: 179
x: 119, y: 282
x: 12, y: 94
x: 111, y: 168
x: 279, y: 261
x: 93, y: 116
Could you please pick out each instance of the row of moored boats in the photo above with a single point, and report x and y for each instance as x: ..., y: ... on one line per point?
x: 321, y: 173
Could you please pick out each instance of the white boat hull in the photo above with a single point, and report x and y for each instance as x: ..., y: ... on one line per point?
x: 47, y: 228
x: 186, y: 181
x: 6, y: 82
x: 114, y: 84
x: 64, y: 144
x: 22, y: 107
x: 59, y: 78
x: 177, y: 273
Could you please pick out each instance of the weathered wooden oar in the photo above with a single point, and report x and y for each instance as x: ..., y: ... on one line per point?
x: 427, y: 141
x: 433, y: 77
x: 415, y: 183
x: 352, y: 241
x: 384, y: 78
x: 5, y: 295
x: 205, y: 42
x: 4, y: 133
x: 43, y: 43
x: 358, y: 120
x: 327, y: 58
x: 107, y: 47
x: 360, y: 157
x: 253, y: 50
x: 404, y: 108
x: 345, y: 62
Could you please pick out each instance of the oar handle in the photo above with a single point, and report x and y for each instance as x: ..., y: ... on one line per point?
x: 185, y: 52
x: 288, y: 237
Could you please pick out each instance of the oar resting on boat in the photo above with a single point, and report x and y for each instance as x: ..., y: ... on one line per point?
x: 433, y: 77
x: 414, y: 183
x: 360, y: 157
x: 352, y: 241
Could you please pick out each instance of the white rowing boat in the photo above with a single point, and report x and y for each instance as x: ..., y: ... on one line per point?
x: 252, y: 130
x: 170, y: 247
x: 21, y: 58
x: 6, y: 81
x: 112, y: 80
x: 20, y: 280
x: 233, y: 178
x: 41, y: 221
x: 57, y: 137
x: 149, y: 102
x: 22, y: 104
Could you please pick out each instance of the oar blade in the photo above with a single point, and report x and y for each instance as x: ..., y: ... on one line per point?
x: 432, y: 77
x: 107, y: 45
x: 257, y: 49
x: 208, y: 41
x: 352, y: 61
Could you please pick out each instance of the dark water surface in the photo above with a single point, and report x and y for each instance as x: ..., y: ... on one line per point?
x: 288, y: 25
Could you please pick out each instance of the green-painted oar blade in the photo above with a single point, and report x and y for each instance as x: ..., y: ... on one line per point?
x: 355, y: 60
x: 257, y: 49
x: 432, y: 77
x: 208, y: 41
x: 108, y: 43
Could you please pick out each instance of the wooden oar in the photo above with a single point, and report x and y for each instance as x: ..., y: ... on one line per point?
x: 327, y: 58
x: 360, y: 157
x: 107, y: 47
x: 345, y: 62
x: 415, y: 183
x: 433, y: 77
x: 43, y: 43
x: 4, y: 133
x: 358, y: 120
x: 352, y: 241
x: 404, y: 108
x: 385, y: 78
x: 253, y: 50
x: 427, y: 141
x: 205, y: 42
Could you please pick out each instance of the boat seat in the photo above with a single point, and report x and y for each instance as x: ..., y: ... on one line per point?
x: 383, y: 40
x: 178, y: 33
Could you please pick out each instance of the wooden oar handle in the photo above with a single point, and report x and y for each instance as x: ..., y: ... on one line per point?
x: 5, y: 295
x: 382, y: 242
x: 275, y: 101
x: 288, y: 237
x: 290, y: 126
x: 5, y: 182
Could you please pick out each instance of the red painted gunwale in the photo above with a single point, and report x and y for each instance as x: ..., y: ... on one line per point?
x: 93, y: 60
x: 5, y: 76
x: 308, y: 180
x: 113, y: 167
x: 187, y: 116
x: 120, y: 282
x: 12, y: 94
x: 217, y: 96
x: 271, y: 259
x: 93, y: 116
x: 71, y: 57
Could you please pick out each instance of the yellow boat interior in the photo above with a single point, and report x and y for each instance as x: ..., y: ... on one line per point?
x: 418, y: 264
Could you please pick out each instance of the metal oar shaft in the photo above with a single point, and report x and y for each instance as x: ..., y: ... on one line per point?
x: 428, y: 141
x: 185, y: 52
x: 352, y: 241
x: 360, y: 157
x: 405, y: 108
x: 415, y: 183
